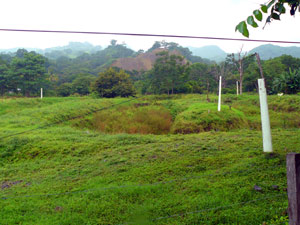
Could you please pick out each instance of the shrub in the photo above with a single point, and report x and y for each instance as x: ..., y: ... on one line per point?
x: 228, y: 91
x: 287, y: 82
x: 65, y: 90
x: 111, y: 84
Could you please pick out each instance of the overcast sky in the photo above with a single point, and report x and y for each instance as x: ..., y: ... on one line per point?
x: 177, y: 17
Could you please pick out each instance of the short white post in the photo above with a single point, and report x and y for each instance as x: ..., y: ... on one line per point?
x: 237, y: 88
x: 220, y: 92
x: 265, y: 120
x: 41, y: 93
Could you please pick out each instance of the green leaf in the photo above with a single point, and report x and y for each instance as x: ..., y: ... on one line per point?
x: 264, y: 8
x: 242, y: 28
x: 258, y: 15
x: 280, y: 8
x: 250, y: 21
x: 275, y: 16
x: 271, y: 3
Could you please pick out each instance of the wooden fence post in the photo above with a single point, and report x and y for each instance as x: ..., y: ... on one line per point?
x: 293, y: 183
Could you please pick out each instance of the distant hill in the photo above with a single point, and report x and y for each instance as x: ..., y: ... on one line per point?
x: 72, y: 50
x: 211, y: 52
x: 142, y: 62
x: 13, y: 50
x: 271, y: 51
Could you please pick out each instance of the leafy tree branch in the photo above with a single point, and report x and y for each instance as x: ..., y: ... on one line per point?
x: 277, y: 8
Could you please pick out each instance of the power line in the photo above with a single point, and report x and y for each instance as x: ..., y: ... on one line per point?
x: 149, y: 35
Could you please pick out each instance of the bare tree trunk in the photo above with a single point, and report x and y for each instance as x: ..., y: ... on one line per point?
x: 207, y: 84
x: 259, y: 65
x: 222, y: 74
x: 256, y: 87
x: 241, y: 75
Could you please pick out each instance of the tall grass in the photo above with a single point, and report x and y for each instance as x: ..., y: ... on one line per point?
x: 132, y: 120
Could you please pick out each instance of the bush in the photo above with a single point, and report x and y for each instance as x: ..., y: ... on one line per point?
x: 65, y: 90
x: 228, y: 91
x: 287, y: 82
x: 111, y: 84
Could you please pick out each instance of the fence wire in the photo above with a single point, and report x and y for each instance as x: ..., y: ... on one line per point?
x: 62, y: 121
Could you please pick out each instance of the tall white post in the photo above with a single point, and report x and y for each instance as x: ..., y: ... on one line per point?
x: 220, y: 92
x: 41, y: 93
x: 265, y: 120
x: 237, y: 88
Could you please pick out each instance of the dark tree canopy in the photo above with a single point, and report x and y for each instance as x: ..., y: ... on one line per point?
x: 27, y: 72
x: 111, y: 84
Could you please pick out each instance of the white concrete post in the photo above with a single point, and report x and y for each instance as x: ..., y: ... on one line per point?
x: 220, y: 92
x: 265, y: 120
x: 41, y: 93
x: 237, y: 88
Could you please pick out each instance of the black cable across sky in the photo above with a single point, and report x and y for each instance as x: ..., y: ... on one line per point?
x: 149, y: 35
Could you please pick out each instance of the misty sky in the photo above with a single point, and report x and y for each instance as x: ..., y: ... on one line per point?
x: 177, y: 17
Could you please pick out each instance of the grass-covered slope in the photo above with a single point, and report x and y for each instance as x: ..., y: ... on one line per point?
x: 201, y: 117
x: 70, y: 173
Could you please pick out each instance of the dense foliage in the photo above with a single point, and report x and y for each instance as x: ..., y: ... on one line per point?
x: 287, y: 82
x: 111, y: 84
x: 25, y: 73
x: 174, y: 70
x: 168, y: 74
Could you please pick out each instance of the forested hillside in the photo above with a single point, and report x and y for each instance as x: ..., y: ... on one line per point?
x: 165, y: 68
x: 271, y: 51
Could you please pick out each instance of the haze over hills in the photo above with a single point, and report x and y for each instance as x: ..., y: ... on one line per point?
x: 269, y: 51
x: 72, y: 50
x: 211, y: 52
x: 266, y: 52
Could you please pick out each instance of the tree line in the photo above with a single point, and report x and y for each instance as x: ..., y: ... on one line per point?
x: 24, y: 73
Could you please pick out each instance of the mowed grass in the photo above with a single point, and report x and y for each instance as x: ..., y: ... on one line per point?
x: 70, y: 173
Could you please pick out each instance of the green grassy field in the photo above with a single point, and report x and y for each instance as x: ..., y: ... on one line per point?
x: 151, y: 160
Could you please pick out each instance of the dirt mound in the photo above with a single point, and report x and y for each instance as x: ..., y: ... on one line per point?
x: 142, y: 62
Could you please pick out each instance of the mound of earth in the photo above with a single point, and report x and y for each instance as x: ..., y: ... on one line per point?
x: 142, y: 62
